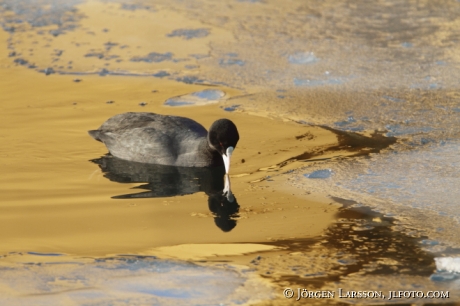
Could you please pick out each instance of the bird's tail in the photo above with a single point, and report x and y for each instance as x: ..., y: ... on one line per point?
x: 95, y: 134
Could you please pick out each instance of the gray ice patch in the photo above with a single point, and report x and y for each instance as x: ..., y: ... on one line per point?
x: 302, y: 58
x: 232, y: 108
x: 204, y: 97
x: 319, y: 174
x: 128, y: 280
x: 407, y: 44
x: 231, y: 62
x: 153, y: 57
x: 189, y: 33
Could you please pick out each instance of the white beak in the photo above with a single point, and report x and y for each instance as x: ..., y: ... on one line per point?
x: 226, y: 158
x: 227, y: 192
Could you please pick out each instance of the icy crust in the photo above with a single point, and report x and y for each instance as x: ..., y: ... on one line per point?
x: 447, y: 269
x: 128, y: 280
x: 203, y: 97
x: 448, y: 264
x: 419, y: 187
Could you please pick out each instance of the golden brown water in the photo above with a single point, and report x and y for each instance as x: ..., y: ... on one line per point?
x: 54, y: 200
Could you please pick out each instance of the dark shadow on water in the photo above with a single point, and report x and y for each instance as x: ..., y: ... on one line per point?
x: 360, y: 242
x: 159, y: 181
x: 359, y: 144
x: 355, y: 143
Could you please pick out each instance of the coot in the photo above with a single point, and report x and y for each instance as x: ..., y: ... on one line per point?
x: 168, y: 140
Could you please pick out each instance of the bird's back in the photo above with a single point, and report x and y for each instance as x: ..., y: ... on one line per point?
x: 153, y: 138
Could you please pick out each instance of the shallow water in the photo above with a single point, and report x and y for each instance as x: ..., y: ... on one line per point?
x: 127, y: 280
x: 389, y: 66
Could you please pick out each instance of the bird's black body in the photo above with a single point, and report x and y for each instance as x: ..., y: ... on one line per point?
x: 166, y: 140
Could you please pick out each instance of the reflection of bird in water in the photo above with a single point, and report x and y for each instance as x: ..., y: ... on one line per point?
x: 160, y: 180
x: 169, y: 181
x: 224, y: 207
x: 168, y: 140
